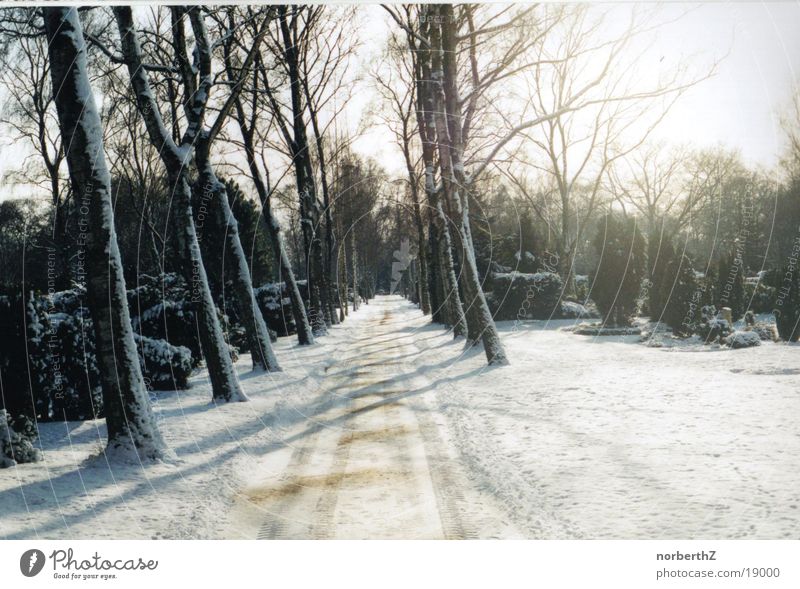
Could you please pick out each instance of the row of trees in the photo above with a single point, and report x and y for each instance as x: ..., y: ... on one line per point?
x: 146, y: 169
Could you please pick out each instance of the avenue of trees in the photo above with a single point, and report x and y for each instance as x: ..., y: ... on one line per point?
x: 204, y: 195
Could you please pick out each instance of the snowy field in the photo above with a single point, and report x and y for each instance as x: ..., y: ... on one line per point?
x: 580, y: 437
x: 586, y: 437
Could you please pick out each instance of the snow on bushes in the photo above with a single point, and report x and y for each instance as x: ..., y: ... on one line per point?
x: 161, y: 308
x: 276, y: 308
x: 27, y: 382
x: 79, y: 394
x: 743, y: 339
x: 515, y: 295
x: 16, y: 440
x: 712, y: 327
x: 48, y: 363
x: 571, y: 310
x: 164, y: 366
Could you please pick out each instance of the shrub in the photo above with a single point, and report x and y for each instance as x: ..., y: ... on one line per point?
x: 682, y: 307
x: 273, y: 300
x: 660, y: 257
x: 617, y: 280
x: 24, y: 355
x: 164, y: 366
x: 161, y: 308
x: 79, y: 393
x: 16, y: 440
x: 759, y: 297
x: 525, y: 296
x: 743, y: 339
x: 711, y: 327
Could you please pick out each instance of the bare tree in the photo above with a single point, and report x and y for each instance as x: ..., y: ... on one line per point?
x: 176, y: 157
x: 248, y: 122
x: 29, y: 113
x: 286, y: 40
x: 130, y: 423
x: 396, y: 84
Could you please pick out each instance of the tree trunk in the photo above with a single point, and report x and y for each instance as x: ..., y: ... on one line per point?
x: 129, y: 419
x: 306, y: 187
x: 249, y: 312
x: 478, y: 312
x: 354, y: 268
x: 273, y: 229
x: 444, y: 288
x: 224, y: 384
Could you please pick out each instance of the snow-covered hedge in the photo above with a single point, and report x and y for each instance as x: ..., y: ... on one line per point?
x: 515, y: 295
x: 48, y: 363
x: 572, y: 310
x: 78, y: 393
x: 16, y: 440
x: 27, y: 384
x: 161, y: 308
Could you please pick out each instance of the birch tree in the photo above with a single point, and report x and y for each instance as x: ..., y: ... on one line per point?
x: 247, y: 114
x: 176, y: 158
x: 129, y: 419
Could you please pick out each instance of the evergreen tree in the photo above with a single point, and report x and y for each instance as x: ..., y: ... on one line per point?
x: 684, y: 296
x: 787, y: 305
x: 620, y: 247
x: 729, y: 291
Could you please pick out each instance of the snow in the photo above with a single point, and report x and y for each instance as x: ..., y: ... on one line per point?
x: 581, y: 437
x: 743, y: 339
x: 607, y: 438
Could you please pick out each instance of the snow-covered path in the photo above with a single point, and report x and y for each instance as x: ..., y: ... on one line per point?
x: 389, y: 428
x: 370, y: 459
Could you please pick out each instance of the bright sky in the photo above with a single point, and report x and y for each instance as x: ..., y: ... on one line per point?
x: 740, y: 107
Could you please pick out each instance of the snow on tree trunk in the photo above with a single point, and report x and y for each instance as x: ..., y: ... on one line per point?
x: 132, y: 429
x: 434, y: 280
x: 249, y: 312
x: 424, y: 295
x: 273, y: 228
x: 444, y: 309
x: 224, y: 384
x: 479, y: 315
x: 354, y: 265
x: 310, y: 213
x: 452, y: 298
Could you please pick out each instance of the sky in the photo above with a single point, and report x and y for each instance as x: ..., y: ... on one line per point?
x: 740, y: 107
x: 757, y: 49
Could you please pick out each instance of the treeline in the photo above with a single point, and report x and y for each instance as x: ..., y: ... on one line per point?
x: 150, y: 257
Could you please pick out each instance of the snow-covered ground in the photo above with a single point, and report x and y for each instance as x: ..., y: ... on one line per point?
x: 604, y: 437
x: 75, y: 494
x: 388, y: 427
